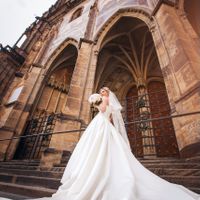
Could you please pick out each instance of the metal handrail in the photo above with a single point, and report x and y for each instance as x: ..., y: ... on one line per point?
x: 42, y: 134
x: 83, y: 129
x: 165, y: 117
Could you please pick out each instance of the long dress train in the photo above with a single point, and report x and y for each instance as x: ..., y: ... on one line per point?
x: 102, y: 167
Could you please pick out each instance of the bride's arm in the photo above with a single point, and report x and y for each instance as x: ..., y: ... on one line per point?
x: 103, y: 105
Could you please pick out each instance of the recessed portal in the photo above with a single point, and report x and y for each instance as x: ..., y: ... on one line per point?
x: 129, y: 66
x: 48, y: 105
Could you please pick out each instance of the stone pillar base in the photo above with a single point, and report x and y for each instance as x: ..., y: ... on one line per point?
x: 4, y: 134
x: 50, y: 157
x: 2, y: 156
x: 190, y: 150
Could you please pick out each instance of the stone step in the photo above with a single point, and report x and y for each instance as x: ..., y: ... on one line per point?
x: 12, y: 196
x: 24, y: 177
x: 28, y: 167
x: 32, y: 194
x: 178, y: 172
x: 29, y: 191
x: 58, y: 169
x: 153, y: 161
x: 55, y: 174
x: 65, y: 161
x: 188, y: 181
x: 51, y: 183
x: 18, y: 166
x: 20, y: 162
x: 157, y: 170
x: 27, y: 160
x: 61, y: 167
x: 37, y: 173
x: 182, y: 164
x: 193, y: 159
x: 44, y: 186
x: 23, y: 160
x: 173, y: 166
x: 156, y: 160
x: 163, y: 160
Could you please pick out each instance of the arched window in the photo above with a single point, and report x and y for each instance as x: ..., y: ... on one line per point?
x: 76, y: 14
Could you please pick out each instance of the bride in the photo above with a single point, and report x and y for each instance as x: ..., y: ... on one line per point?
x: 102, y: 166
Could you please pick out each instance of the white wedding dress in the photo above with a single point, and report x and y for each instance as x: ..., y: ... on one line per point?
x: 102, y: 167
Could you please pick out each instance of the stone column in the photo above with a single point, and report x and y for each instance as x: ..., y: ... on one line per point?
x: 79, y: 80
x: 73, y: 112
x: 180, y: 61
x: 16, y: 114
x: 85, y: 113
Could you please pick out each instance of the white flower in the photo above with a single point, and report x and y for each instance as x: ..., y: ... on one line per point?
x: 95, y: 98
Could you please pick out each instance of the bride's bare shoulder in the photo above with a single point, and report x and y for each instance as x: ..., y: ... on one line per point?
x: 105, y: 98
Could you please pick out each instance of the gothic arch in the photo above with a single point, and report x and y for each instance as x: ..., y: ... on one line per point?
x: 50, y: 99
x: 127, y: 64
x: 63, y: 58
x: 53, y: 56
x: 105, y: 39
x: 142, y: 14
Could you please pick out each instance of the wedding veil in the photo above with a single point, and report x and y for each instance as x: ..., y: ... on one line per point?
x: 117, y: 116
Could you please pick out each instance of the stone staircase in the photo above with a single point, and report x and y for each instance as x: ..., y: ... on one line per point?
x: 23, y: 179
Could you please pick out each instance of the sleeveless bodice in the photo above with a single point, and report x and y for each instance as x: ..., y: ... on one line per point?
x: 107, y: 113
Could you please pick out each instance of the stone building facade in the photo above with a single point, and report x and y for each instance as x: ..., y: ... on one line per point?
x: 146, y: 51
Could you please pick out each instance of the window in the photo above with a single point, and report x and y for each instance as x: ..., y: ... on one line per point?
x: 15, y: 95
x: 21, y: 41
x: 77, y: 14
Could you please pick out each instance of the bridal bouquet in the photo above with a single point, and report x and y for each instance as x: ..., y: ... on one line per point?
x: 95, y: 99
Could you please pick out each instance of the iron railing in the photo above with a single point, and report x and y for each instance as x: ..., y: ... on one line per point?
x: 135, y: 149
x: 148, y: 119
x: 34, y: 146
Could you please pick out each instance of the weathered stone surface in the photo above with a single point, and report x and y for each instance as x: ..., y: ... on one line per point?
x: 49, y: 158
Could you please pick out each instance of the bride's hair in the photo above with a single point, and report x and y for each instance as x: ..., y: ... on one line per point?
x: 106, y: 89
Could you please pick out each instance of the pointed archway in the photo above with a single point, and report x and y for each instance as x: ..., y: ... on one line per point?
x: 129, y: 66
x: 48, y: 104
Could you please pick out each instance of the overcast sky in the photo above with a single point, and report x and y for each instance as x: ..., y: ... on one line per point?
x: 17, y: 15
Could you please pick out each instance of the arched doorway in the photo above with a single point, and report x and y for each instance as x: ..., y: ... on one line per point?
x: 192, y: 12
x: 128, y: 65
x: 48, y: 105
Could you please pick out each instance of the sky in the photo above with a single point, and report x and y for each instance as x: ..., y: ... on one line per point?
x: 17, y: 15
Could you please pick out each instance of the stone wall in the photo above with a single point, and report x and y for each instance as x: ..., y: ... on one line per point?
x: 180, y: 64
